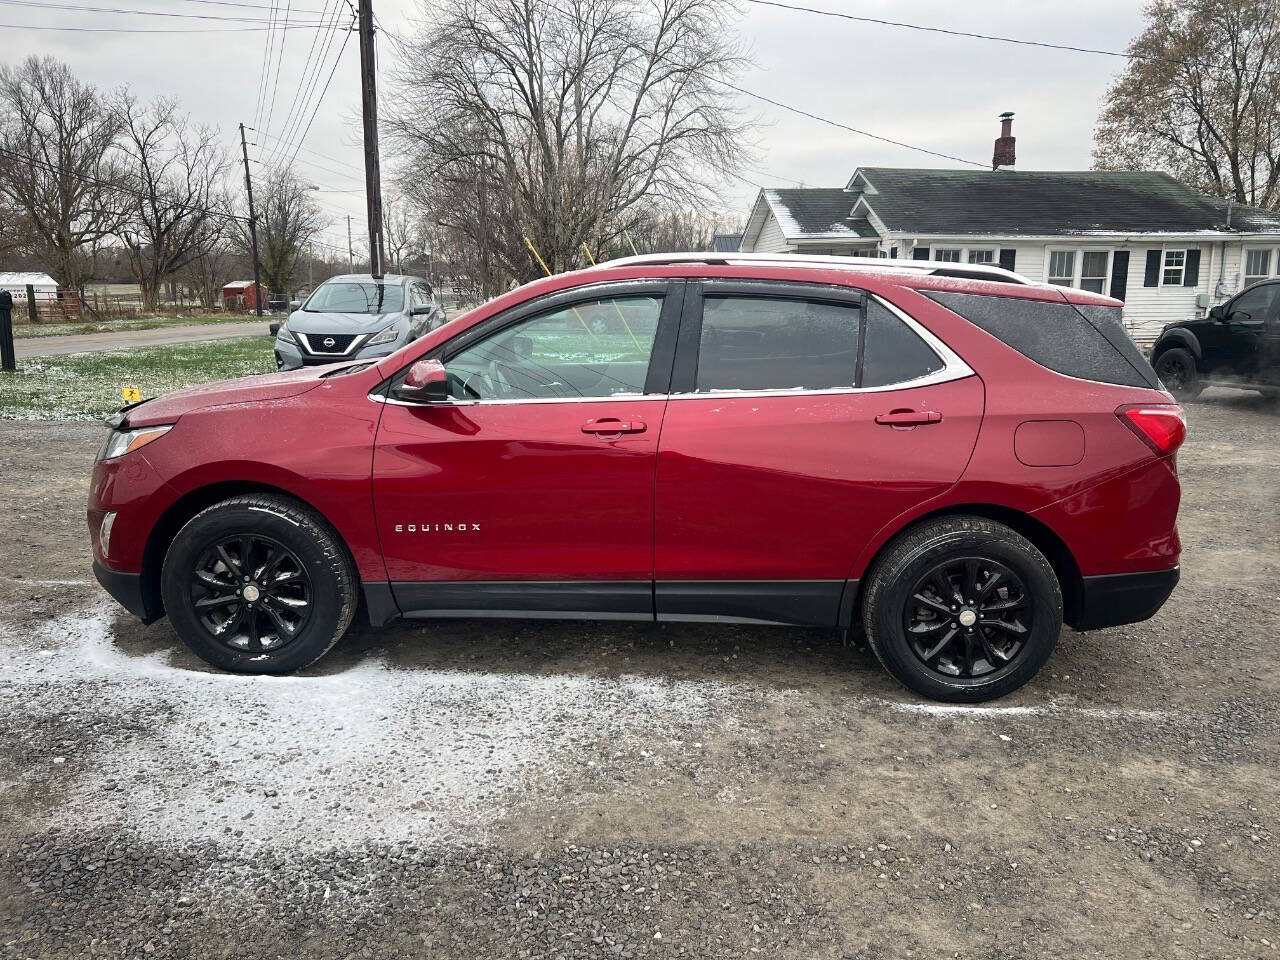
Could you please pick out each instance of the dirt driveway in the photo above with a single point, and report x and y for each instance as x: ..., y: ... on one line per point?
x: 479, y: 789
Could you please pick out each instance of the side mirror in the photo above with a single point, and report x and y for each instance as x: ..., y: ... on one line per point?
x: 421, y: 309
x: 1218, y: 313
x: 425, y: 382
x: 295, y: 304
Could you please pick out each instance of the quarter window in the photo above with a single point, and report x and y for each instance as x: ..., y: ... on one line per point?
x: 598, y: 348
x: 1175, y: 261
x: 893, y: 352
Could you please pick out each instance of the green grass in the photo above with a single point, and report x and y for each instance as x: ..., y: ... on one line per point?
x: 28, y: 330
x: 86, y: 386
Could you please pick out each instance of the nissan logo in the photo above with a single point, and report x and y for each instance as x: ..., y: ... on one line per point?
x: 329, y: 342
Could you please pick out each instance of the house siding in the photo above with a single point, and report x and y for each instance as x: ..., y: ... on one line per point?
x: 770, y: 240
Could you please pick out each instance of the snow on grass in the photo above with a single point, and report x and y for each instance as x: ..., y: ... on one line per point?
x: 86, y: 386
x: 371, y: 754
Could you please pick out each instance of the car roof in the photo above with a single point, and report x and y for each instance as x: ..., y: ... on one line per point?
x: 370, y: 278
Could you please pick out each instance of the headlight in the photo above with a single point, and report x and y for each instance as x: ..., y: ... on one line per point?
x: 285, y: 334
x: 385, y: 335
x: 126, y: 441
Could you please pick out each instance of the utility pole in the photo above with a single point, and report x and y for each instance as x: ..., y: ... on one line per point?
x: 369, y: 111
x: 351, y: 251
x: 253, y: 223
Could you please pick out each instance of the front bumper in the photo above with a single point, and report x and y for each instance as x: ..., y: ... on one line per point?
x: 1116, y: 599
x: 126, y: 589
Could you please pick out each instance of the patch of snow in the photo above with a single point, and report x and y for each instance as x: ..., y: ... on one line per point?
x: 321, y: 761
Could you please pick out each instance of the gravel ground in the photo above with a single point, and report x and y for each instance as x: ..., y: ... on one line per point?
x: 478, y: 789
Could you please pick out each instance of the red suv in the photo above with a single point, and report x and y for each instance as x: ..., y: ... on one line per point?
x: 953, y: 458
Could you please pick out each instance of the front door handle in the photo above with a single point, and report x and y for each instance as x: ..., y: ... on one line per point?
x: 612, y: 426
x: 909, y: 418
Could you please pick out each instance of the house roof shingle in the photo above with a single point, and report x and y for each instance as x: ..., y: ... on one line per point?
x: 1037, y: 203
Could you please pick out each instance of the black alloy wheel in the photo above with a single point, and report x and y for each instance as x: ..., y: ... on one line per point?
x: 968, y: 617
x: 259, y: 583
x: 251, y: 593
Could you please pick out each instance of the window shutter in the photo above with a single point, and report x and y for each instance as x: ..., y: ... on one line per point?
x: 1119, y: 274
x: 1191, y: 276
x: 1008, y: 258
x: 1152, y: 276
x: 920, y: 253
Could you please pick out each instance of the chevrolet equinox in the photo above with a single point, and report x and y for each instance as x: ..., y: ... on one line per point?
x: 949, y: 457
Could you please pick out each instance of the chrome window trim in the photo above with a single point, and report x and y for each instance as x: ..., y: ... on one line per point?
x: 358, y: 339
x: 953, y: 368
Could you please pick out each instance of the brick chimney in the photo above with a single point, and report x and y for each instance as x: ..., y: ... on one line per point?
x: 1003, y: 155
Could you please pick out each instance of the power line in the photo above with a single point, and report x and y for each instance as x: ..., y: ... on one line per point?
x: 1043, y: 44
x: 310, y: 73
x: 320, y: 99
x: 845, y: 126
x: 265, y: 71
x: 249, y: 6
x: 81, y: 8
x: 30, y: 26
x: 317, y: 153
x: 280, y: 61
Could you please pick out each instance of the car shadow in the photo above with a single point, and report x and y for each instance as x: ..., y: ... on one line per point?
x: 758, y: 655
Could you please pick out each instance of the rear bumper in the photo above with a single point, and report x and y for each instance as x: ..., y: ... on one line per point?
x: 1115, y: 599
x: 126, y: 589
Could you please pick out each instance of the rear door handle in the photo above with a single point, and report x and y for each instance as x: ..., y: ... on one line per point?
x: 610, y: 425
x: 909, y: 418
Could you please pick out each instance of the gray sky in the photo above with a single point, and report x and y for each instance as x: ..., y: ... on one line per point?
x: 937, y: 91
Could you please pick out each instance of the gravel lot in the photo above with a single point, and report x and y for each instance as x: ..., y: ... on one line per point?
x: 478, y: 789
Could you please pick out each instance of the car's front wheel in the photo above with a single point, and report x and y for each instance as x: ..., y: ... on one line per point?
x: 258, y: 584
x: 1176, y: 369
x: 962, y: 609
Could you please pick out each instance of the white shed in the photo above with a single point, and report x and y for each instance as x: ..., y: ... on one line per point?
x: 46, y: 288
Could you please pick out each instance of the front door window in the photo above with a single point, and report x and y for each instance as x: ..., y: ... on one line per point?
x: 598, y: 348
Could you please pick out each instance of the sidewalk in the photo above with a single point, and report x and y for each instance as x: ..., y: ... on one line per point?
x: 131, y: 339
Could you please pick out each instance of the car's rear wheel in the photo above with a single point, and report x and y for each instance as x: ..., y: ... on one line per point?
x: 962, y: 609
x: 1176, y: 369
x: 258, y: 584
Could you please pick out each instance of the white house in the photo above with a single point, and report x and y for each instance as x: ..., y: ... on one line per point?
x: 1168, y: 252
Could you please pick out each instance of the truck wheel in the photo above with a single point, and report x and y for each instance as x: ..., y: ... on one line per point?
x: 1176, y: 369
x: 258, y: 584
x: 962, y: 609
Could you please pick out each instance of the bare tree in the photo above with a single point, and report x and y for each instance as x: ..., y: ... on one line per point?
x: 563, y: 121
x: 58, y: 164
x: 1199, y: 99
x: 287, y: 220
x: 175, y: 176
x: 400, y: 227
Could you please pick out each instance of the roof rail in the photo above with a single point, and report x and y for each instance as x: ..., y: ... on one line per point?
x: 971, y: 271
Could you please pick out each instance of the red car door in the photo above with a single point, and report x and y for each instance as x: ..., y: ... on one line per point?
x: 531, y: 489
x: 796, y: 430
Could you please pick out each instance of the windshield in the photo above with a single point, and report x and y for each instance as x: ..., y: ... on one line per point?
x: 353, y: 297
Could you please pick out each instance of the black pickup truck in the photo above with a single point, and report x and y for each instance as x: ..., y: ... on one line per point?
x: 1236, y: 345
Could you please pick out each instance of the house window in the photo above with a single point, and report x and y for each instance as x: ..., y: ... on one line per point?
x: 1062, y: 267
x: 947, y: 254
x: 1258, y: 264
x: 1093, y: 270
x: 982, y: 256
x: 1175, y: 261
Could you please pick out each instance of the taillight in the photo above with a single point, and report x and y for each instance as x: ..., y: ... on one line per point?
x: 1161, y: 426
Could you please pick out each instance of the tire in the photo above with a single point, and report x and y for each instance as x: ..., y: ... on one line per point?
x: 951, y: 543
x: 303, y: 584
x: 1176, y: 368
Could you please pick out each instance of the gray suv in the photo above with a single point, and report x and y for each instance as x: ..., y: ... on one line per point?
x: 357, y: 317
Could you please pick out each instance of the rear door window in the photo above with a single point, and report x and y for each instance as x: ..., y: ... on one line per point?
x: 793, y: 343
x: 1088, y: 342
